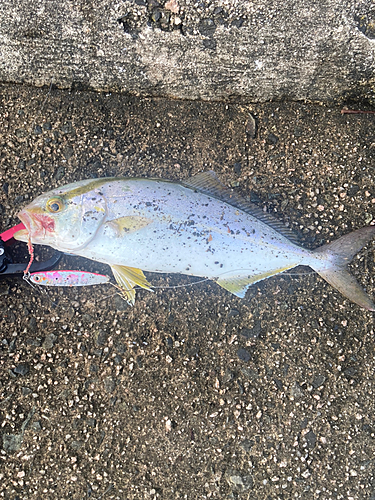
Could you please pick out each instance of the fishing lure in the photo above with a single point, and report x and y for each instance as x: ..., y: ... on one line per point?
x: 67, y: 278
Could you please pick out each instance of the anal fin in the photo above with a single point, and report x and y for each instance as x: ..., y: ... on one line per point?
x: 127, y: 278
x: 238, y: 284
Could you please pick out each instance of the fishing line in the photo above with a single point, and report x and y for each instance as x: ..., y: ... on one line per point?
x: 185, y: 285
x: 26, y: 277
x: 30, y: 248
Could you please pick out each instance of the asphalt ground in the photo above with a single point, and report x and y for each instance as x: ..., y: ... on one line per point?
x: 192, y: 393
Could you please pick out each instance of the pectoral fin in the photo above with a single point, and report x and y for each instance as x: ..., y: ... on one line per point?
x: 127, y: 278
x: 128, y: 224
x: 239, y: 284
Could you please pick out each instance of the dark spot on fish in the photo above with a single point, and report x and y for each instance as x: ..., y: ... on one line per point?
x: 148, y: 203
x: 217, y: 262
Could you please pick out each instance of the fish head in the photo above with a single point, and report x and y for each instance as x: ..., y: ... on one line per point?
x: 66, y: 219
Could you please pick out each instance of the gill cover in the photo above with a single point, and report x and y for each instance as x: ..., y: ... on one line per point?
x: 78, y: 221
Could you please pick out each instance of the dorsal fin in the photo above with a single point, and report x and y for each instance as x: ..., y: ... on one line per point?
x: 209, y: 183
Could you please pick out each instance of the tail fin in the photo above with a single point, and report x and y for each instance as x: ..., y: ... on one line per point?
x: 338, y: 254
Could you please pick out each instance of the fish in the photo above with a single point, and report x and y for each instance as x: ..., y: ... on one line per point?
x: 195, y: 227
x: 67, y: 278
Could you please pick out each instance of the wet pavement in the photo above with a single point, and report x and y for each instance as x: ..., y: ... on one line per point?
x: 192, y: 393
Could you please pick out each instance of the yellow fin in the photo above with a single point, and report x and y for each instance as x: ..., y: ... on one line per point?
x: 127, y: 278
x: 238, y: 284
x: 128, y: 224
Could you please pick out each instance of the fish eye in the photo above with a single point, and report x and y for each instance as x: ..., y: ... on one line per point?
x: 37, y: 278
x: 55, y: 205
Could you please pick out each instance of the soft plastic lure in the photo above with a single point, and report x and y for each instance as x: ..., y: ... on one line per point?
x: 67, y: 278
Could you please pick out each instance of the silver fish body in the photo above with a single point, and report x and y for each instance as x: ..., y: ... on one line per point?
x: 197, y: 228
x: 186, y: 232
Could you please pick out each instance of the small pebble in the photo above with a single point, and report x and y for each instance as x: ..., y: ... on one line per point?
x: 239, y: 480
x: 310, y: 439
x: 318, y: 381
x: 12, y: 442
x: 109, y: 385
x: 20, y: 133
x: 237, y: 168
x: 4, y: 289
x: 247, y: 444
x: 32, y: 324
x: 272, y: 139
x: 117, y: 359
x: 59, y: 173
x: 68, y: 152
x: 249, y: 373
x: 22, y: 369
x: 36, y: 426
x: 49, y: 341
x: 67, y: 128
x: 76, y: 445
x: 243, y: 354
x: 296, y: 391
x: 100, y: 338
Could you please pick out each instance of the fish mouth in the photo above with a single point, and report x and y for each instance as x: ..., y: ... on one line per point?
x: 25, y: 219
x: 37, y: 224
x: 23, y: 234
